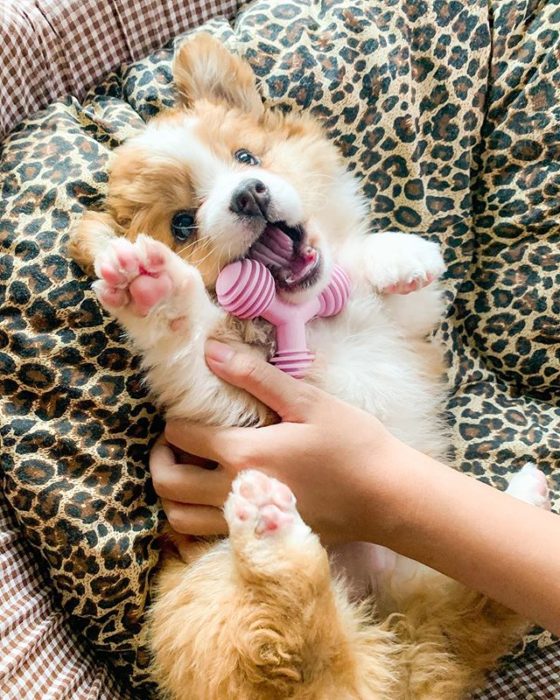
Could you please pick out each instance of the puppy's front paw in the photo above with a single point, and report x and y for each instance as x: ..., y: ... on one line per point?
x: 137, y: 276
x: 400, y: 263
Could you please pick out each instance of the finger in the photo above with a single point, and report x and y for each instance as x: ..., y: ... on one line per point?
x: 200, y: 521
x: 161, y: 454
x: 164, y: 452
x: 285, y: 395
x: 210, y: 442
x: 187, y: 483
x: 187, y: 458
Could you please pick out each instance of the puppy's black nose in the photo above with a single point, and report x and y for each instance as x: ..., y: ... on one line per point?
x: 250, y: 198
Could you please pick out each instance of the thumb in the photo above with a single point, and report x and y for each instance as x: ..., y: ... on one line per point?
x: 276, y: 389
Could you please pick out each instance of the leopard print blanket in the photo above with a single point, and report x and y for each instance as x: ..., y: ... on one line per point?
x: 448, y: 112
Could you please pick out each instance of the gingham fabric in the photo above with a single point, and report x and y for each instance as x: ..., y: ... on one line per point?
x: 534, y: 677
x: 41, y: 657
x: 51, y: 48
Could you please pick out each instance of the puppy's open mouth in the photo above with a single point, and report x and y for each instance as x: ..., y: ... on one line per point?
x: 285, y: 251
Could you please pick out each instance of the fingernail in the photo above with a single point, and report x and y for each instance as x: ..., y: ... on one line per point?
x: 219, y: 352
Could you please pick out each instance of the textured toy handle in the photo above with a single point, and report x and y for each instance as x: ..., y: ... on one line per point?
x: 334, y: 297
x: 246, y: 289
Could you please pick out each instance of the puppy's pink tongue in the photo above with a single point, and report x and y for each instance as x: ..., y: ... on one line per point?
x: 282, y: 256
x: 275, y: 248
x: 300, y: 266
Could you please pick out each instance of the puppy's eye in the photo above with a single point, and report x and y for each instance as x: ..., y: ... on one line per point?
x: 246, y: 157
x: 183, y: 225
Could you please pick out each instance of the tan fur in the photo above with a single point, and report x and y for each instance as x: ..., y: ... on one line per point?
x: 450, y: 637
x: 266, y: 634
x: 230, y: 621
x: 211, y: 72
x: 89, y: 237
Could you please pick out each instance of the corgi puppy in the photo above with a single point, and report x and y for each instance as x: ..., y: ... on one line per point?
x: 262, y: 615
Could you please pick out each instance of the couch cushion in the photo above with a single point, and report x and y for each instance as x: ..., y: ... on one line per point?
x: 446, y: 110
x: 54, y: 47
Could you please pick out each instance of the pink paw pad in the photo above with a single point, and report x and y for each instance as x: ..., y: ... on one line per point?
x: 133, y: 274
x: 148, y: 290
x: 272, y: 519
x: 111, y: 297
x: 403, y: 287
x: 260, y: 504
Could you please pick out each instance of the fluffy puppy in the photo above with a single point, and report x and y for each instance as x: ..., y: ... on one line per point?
x: 260, y: 615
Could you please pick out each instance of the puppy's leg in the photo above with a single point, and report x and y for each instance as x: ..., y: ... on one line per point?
x: 320, y: 645
x: 259, y: 617
x: 403, y: 269
x: 162, y: 303
x: 91, y: 235
x: 454, y: 635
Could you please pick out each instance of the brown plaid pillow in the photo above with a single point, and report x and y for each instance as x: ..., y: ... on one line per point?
x: 52, y: 48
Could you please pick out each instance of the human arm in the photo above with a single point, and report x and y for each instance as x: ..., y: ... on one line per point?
x: 354, y: 481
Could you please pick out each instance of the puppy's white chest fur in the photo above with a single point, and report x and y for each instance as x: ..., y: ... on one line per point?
x: 366, y: 358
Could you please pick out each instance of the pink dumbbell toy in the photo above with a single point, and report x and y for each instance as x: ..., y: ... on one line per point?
x: 246, y: 289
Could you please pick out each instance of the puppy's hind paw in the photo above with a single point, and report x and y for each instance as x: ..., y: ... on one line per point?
x: 261, y: 507
x: 268, y: 539
x: 530, y: 485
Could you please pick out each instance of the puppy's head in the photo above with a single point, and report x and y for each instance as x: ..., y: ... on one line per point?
x: 220, y: 178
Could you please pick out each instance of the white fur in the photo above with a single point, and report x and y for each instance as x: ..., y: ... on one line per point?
x: 231, y: 234
x: 215, y: 180
x: 365, y: 356
x: 530, y: 485
x: 178, y: 142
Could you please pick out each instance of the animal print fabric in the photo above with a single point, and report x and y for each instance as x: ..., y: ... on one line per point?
x: 448, y: 112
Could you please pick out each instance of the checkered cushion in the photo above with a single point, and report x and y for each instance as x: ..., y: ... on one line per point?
x: 52, y: 48
x: 532, y: 677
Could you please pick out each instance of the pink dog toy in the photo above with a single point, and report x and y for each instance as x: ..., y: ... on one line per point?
x: 246, y: 289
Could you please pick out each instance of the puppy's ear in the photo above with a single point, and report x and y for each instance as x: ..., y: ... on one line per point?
x: 204, y: 69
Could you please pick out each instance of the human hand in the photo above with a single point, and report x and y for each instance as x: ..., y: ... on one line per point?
x: 355, y: 482
x: 328, y: 452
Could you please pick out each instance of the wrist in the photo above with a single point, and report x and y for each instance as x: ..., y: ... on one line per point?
x: 399, y: 480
